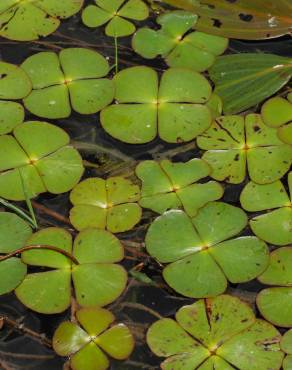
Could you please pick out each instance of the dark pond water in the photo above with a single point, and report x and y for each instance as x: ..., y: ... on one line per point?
x: 112, y: 157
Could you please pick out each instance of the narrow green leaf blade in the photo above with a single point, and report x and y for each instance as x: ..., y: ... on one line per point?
x: 244, y: 80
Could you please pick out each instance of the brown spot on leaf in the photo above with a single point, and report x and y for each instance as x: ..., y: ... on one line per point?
x: 216, y: 23
x: 245, y: 17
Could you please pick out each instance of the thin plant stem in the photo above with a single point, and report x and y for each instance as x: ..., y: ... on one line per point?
x: 17, y: 210
x: 26, y: 356
x: 32, y: 247
x: 21, y: 328
x: 28, y: 201
x: 93, y: 147
x: 141, y: 307
x: 41, y: 208
x: 116, y: 55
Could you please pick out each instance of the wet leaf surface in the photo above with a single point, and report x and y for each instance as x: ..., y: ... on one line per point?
x: 236, y: 145
x: 116, y: 15
x: 242, y: 19
x: 176, y: 45
x: 75, y: 77
x: 29, y: 20
x: 173, y: 108
x: 36, y: 159
x: 203, y: 256
x: 273, y: 226
x: 245, y: 80
x: 90, y: 345
x: 107, y: 204
x: 167, y: 185
x: 97, y: 279
x: 222, y: 326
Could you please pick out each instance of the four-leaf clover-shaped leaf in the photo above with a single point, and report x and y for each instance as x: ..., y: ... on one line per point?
x: 275, y: 303
x: 236, y: 144
x: 196, y: 50
x: 25, y: 20
x: 89, y: 341
x: 201, y: 252
x: 218, y: 333
x: 167, y: 185
x: 277, y: 112
x: 74, y: 78
x: 14, y: 232
x: 36, y: 159
x: 107, y: 204
x: 116, y: 14
x: 174, y: 108
x: 97, y: 279
x: 275, y: 226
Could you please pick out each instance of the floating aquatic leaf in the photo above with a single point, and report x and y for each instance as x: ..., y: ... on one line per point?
x: 174, y: 108
x: 97, y: 279
x: 14, y: 82
x: 37, y: 158
x: 203, y: 255
x: 272, y: 226
x: 11, y: 115
x: 215, y: 105
x: 236, y: 145
x: 286, y: 346
x: 180, y: 48
x: 241, y: 19
x: 89, y: 341
x: 275, y: 304
x: 28, y: 20
x: 74, y: 78
x: 216, y: 333
x: 244, y: 80
x: 167, y: 185
x: 13, y: 234
x: 107, y: 204
x: 277, y: 112
x: 116, y: 14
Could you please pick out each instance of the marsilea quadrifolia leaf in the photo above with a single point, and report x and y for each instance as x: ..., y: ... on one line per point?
x: 206, y: 253
x: 117, y: 15
x: 25, y: 20
x: 169, y: 185
x: 36, y: 158
x: 179, y: 47
x: 75, y: 78
x: 173, y: 107
x: 237, y: 145
x: 274, y: 224
x: 95, y: 336
x: 219, y: 333
x: 277, y: 112
x: 97, y: 278
x: 109, y: 204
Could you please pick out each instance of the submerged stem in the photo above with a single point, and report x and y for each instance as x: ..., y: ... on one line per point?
x: 28, y: 200
x: 116, y: 55
x: 43, y: 209
x: 32, y: 247
x: 17, y: 210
